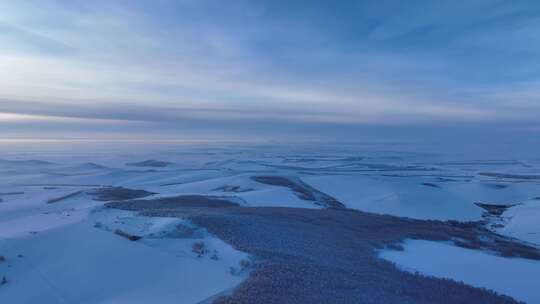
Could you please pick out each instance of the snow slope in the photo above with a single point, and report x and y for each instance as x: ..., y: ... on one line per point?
x: 522, y: 222
x: 77, y: 261
x: 400, y: 197
x: 511, y: 276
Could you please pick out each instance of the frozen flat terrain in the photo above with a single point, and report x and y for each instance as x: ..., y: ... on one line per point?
x: 195, y: 223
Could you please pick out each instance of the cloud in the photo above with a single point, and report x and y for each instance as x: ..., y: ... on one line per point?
x: 209, y: 63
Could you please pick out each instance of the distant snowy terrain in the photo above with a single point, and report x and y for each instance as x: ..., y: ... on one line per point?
x: 60, y: 244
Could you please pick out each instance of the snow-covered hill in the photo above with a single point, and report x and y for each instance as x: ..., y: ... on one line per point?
x: 59, y: 244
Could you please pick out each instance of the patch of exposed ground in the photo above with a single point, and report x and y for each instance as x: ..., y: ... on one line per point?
x: 510, y: 176
x: 301, y: 190
x: 330, y: 255
x: 483, y: 163
x: 129, y: 236
x: 150, y: 163
x: 497, y: 186
x: 10, y: 193
x: 118, y: 194
x: 494, y: 209
x: 354, y: 167
x: 62, y: 185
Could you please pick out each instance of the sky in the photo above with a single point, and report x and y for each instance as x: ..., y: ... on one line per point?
x: 313, y: 70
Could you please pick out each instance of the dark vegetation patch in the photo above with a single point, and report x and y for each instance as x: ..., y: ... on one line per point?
x: 129, y: 236
x: 466, y: 177
x: 233, y: 189
x: 497, y: 186
x: 511, y: 176
x: 150, y: 163
x: 443, y: 179
x: 469, y: 245
x: 482, y: 163
x: 11, y: 193
x: 356, y: 158
x: 4, y: 280
x: 65, y: 197
x: 173, y: 203
x: 330, y: 255
x: 118, y: 194
x: 30, y: 162
x: 53, y: 186
x: 395, y: 246
x: 301, y: 190
x: 8, y: 194
x: 355, y: 167
x: 494, y: 209
x: 493, y: 214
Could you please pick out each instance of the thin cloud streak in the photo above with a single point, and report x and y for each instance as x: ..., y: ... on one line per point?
x: 159, y: 114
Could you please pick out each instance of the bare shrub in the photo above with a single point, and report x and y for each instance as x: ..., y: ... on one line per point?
x: 244, y: 264
x: 199, y: 248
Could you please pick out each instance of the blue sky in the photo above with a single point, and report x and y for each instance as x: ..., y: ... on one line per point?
x: 244, y: 69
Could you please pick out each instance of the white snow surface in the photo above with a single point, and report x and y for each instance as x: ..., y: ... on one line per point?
x: 67, y: 258
x: 408, y: 198
x: 522, y: 222
x: 514, y: 277
x: 70, y: 253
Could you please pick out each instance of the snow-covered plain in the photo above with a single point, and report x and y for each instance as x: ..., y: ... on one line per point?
x: 60, y: 241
